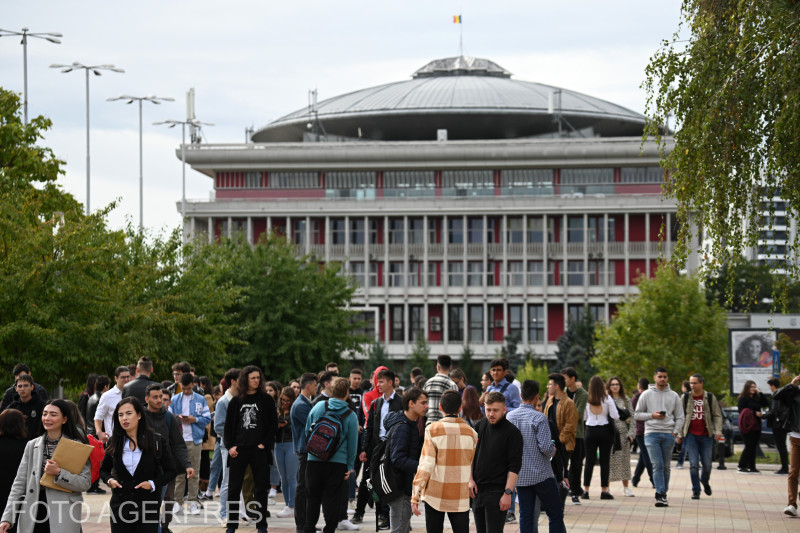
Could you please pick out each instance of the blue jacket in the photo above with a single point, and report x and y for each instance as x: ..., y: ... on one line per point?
x: 220, y: 414
x: 348, y: 440
x: 404, y: 447
x: 198, y: 409
x: 299, y: 415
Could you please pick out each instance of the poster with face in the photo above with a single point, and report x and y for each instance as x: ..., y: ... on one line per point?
x: 751, y: 357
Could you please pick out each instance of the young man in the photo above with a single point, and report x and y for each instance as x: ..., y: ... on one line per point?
x: 324, y: 479
x: 332, y: 367
x: 660, y: 409
x: 356, y: 400
x: 404, y: 449
x: 496, y: 466
x: 168, y: 426
x: 536, y: 480
x: 580, y: 397
x: 29, y: 404
x: 701, y: 427
x: 104, y: 416
x: 324, y: 382
x: 299, y: 415
x: 436, y: 386
x: 790, y: 395
x: 178, y: 369
x: 563, y: 413
x: 11, y: 393
x: 231, y: 379
x: 644, y: 459
x: 498, y: 371
x: 779, y: 419
x: 192, y: 410
x: 460, y: 379
x: 445, y: 463
x: 138, y: 387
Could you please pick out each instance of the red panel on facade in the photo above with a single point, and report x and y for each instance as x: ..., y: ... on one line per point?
x: 637, y: 268
x: 656, y: 220
x: 556, y: 229
x: 498, y: 315
x: 636, y: 229
x: 380, y: 230
x: 380, y: 273
x: 555, y: 321
x: 259, y: 227
x: 556, y: 272
x: 612, y: 311
x: 318, y: 231
x: 498, y: 269
x: 619, y: 272
x: 435, y: 311
x: 619, y: 227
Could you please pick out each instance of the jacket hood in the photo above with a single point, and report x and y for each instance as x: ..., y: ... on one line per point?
x: 337, y: 405
x: 654, y: 388
x: 375, y: 376
x: 393, y: 418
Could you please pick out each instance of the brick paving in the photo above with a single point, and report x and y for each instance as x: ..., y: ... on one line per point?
x: 739, y: 503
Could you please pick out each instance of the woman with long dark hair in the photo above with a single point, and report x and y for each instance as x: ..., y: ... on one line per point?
x: 274, y: 389
x: 470, y: 408
x: 621, y: 460
x: 33, y: 507
x: 751, y: 398
x: 12, y: 445
x: 285, y: 456
x: 250, y: 426
x: 136, y: 466
x: 599, y: 412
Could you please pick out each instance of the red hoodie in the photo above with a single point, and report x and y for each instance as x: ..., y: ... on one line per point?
x: 372, y: 394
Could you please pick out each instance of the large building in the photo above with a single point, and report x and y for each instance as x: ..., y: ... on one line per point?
x: 466, y: 205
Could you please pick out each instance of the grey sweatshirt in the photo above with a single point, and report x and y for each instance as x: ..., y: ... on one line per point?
x: 654, y: 400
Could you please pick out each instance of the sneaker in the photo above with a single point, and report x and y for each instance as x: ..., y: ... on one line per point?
x: 98, y: 490
x: 202, y: 497
x: 679, y: 466
x: 707, y: 489
x: 383, y: 522
x: 576, y: 500
x: 510, y: 518
x: 177, y: 508
x: 345, y: 525
x: 193, y: 508
x: 272, y: 493
x: 781, y: 472
x: 357, y: 518
x: 230, y: 530
x: 288, y: 512
x: 261, y: 530
x: 755, y: 471
x: 661, y: 501
x: 790, y: 510
x: 742, y: 471
x: 695, y: 495
x: 627, y: 491
x: 351, y: 511
x: 635, y: 482
x: 722, y: 467
x: 605, y: 495
x: 585, y: 495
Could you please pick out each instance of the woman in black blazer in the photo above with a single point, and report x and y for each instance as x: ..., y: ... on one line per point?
x: 136, y: 466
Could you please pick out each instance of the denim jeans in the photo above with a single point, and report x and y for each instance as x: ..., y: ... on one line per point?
x: 644, y: 462
x: 659, y: 448
x: 699, y: 450
x: 216, y: 469
x: 287, y: 465
x: 547, y: 493
x: 400, y: 514
x: 223, y: 489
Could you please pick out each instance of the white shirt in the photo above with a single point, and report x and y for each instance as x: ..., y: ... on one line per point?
x: 186, y: 406
x: 384, y: 412
x: 609, y: 408
x: 131, y: 458
x: 105, y: 408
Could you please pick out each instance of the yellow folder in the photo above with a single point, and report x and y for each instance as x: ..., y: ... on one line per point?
x: 70, y: 456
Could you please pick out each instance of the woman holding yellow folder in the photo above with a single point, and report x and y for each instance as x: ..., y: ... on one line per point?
x: 60, y: 510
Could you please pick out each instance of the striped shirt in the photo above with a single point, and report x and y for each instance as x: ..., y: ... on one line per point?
x: 537, y: 447
x: 445, y: 466
x: 434, y: 388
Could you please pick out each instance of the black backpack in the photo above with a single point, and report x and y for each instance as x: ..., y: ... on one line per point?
x: 324, y: 436
x: 385, y: 485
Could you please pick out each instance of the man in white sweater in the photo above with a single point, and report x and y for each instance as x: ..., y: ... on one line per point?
x: 660, y: 409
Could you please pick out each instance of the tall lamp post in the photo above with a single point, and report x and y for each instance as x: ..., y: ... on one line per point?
x: 96, y: 70
x: 183, y: 124
x: 51, y: 36
x: 130, y: 99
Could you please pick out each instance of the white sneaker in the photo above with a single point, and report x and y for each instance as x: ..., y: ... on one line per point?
x: 288, y: 512
x: 177, y: 508
x: 627, y: 491
x: 272, y: 493
x: 351, y: 511
x: 790, y: 510
x: 347, y: 525
x: 193, y: 508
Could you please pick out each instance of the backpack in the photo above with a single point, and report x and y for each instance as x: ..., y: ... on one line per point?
x: 385, y: 484
x: 748, y: 421
x: 323, y: 438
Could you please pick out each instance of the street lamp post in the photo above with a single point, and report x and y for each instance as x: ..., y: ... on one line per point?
x: 130, y: 99
x: 183, y: 123
x: 96, y: 69
x: 53, y: 37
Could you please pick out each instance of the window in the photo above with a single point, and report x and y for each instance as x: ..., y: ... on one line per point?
x: 516, y: 277
x: 514, y: 230
x: 475, y: 274
x: 434, y: 273
x: 596, y: 273
x: 475, y: 230
x: 373, y: 230
x: 455, y: 274
x: 455, y: 322
x: 434, y: 224
x: 552, y: 279
x: 374, y: 281
x: 416, y: 230
x: 491, y: 268
x: 409, y: 183
x: 337, y: 231
x: 535, y: 274
x: 396, y: 231
x: 395, y: 274
x: 576, y: 312
x: 535, y: 323
x: 476, y: 323
x: 397, y: 332
x: 596, y: 229
x: 536, y: 230
x: 641, y: 175
x: 574, y: 273
x: 415, y: 325
x: 587, y: 176
x: 515, y: 320
x: 575, y: 229
x: 357, y: 272
x: 357, y: 231
x: 299, y: 230
x: 293, y: 180
x: 598, y: 312
x: 455, y: 230
x: 772, y: 234
x: 415, y: 274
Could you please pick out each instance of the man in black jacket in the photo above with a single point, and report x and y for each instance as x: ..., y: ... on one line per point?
x: 404, y: 449
x: 11, y: 392
x: 495, y: 467
x: 165, y: 423
x: 138, y: 387
x: 29, y: 404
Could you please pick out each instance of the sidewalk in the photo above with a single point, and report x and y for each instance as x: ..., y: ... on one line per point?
x: 739, y: 503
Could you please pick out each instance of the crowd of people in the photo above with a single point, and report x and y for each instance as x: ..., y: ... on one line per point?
x: 334, y: 445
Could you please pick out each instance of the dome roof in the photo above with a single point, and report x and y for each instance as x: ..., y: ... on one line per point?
x: 472, y: 98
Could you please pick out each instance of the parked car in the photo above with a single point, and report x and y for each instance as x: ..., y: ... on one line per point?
x: 732, y: 415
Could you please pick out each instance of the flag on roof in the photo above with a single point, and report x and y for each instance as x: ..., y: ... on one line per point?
x: 457, y: 19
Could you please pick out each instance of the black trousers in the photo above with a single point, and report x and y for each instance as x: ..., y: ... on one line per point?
x: 486, y: 508
x: 363, y: 491
x: 258, y: 460
x: 575, y: 464
x: 598, y: 437
x: 748, y: 457
x: 780, y: 444
x: 300, y: 494
x: 323, y: 484
x: 434, y: 521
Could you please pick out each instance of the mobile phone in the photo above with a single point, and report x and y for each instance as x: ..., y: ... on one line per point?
x: 662, y: 412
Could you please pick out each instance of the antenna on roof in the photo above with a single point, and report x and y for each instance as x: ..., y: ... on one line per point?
x: 315, y: 125
x: 554, y: 108
x: 248, y: 134
x: 190, y: 116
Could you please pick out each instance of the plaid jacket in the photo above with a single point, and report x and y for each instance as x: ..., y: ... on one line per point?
x: 445, y: 466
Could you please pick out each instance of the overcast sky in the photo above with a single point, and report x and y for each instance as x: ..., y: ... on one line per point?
x: 251, y: 62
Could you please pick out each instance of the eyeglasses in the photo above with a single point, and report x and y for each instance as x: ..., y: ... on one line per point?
x: 613, y: 385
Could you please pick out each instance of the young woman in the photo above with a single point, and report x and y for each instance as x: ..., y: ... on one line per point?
x: 250, y: 426
x: 12, y: 446
x: 135, y: 468
x: 600, y: 410
x: 284, y: 451
x: 295, y: 385
x: 621, y: 461
x: 751, y: 398
x: 470, y: 408
x: 35, y: 508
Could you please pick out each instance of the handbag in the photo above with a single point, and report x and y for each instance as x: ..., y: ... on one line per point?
x: 624, y: 414
x: 617, y: 443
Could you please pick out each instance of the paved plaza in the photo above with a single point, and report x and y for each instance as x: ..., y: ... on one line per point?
x: 739, y: 503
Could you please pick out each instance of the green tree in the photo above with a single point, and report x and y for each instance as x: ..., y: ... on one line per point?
x: 421, y: 356
x: 576, y: 347
x: 470, y: 367
x: 729, y: 78
x: 535, y: 370
x: 745, y: 286
x: 670, y: 323
x: 790, y: 357
x: 510, y: 351
x: 376, y: 356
